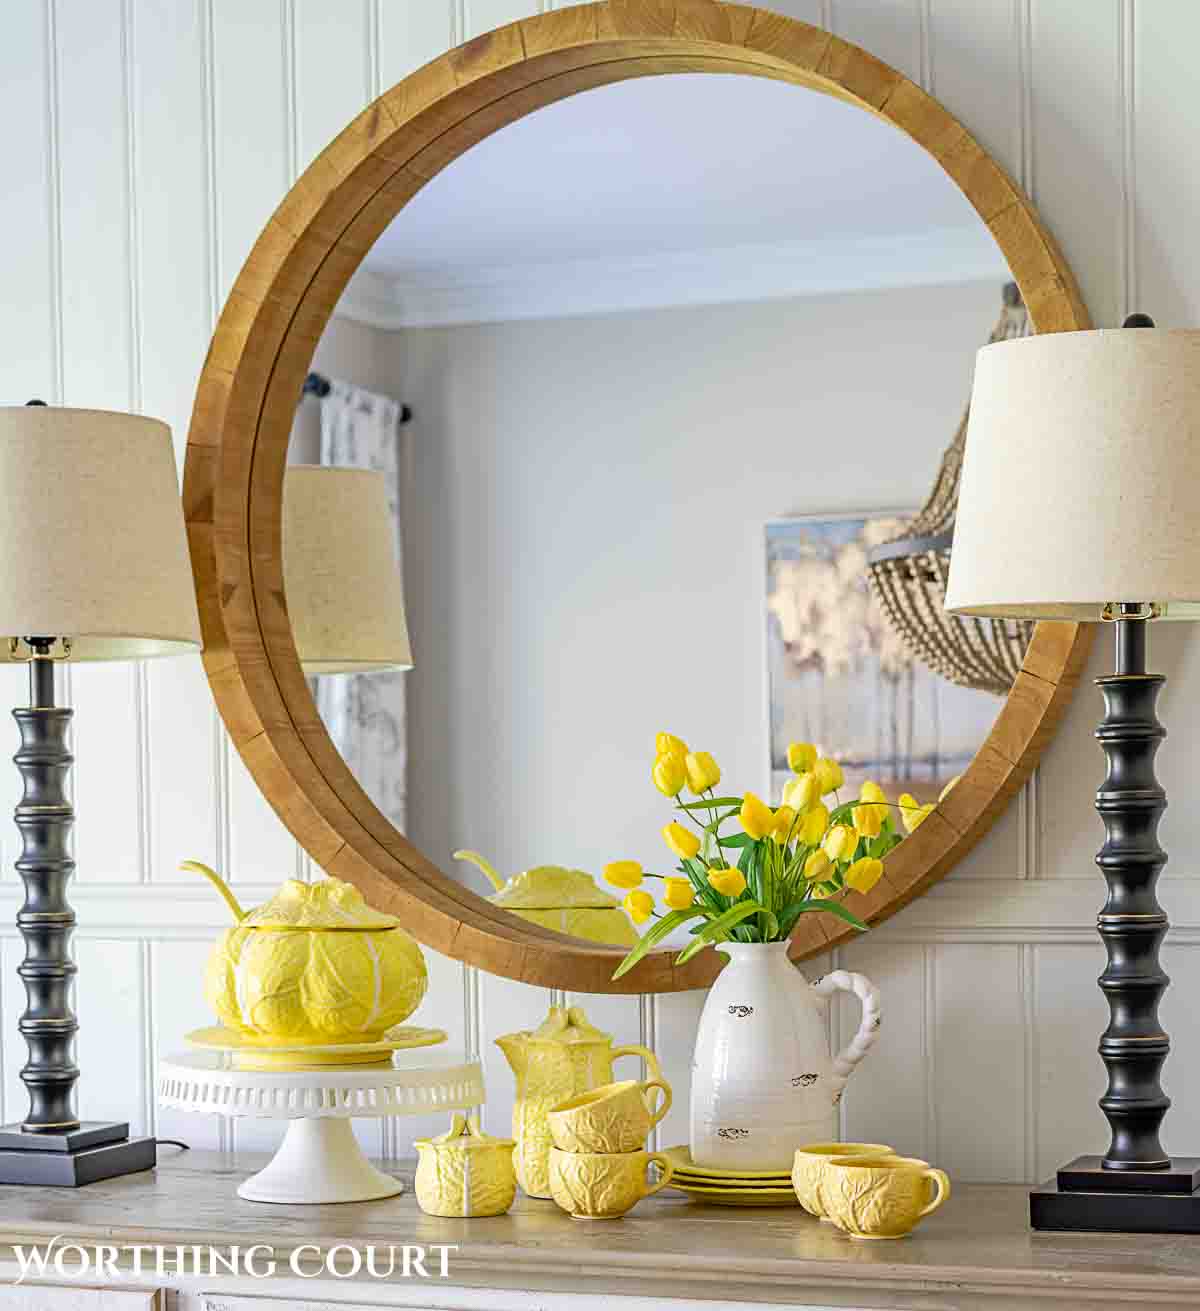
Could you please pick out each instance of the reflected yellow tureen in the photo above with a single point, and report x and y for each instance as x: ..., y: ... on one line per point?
x: 554, y: 897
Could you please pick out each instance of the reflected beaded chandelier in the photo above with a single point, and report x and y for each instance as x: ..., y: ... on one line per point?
x: 908, y: 574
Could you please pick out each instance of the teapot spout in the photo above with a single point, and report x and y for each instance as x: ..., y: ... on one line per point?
x: 514, y: 1047
x: 219, y: 883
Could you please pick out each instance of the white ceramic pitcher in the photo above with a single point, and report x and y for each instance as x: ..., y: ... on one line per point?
x: 763, y: 1082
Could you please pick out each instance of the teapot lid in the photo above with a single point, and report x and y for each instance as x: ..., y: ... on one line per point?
x: 329, y: 904
x: 553, y: 887
x: 565, y: 1025
x: 464, y: 1131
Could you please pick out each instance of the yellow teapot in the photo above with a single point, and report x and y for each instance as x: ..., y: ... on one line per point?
x: 564, y: 1056
x: 554, y: 897
x: 315, y: 964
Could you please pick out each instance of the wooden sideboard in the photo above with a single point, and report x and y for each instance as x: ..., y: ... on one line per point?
x: 976, y: 1254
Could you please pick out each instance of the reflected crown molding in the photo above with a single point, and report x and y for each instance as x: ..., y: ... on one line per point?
x: 441, y: 297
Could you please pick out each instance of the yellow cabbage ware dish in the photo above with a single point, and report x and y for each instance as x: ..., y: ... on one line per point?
x: 315, y: 964
x: 555, y: 897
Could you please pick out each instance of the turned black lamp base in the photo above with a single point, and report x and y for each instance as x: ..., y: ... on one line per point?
x: 96, y: 1150
x: 1086, y: 1196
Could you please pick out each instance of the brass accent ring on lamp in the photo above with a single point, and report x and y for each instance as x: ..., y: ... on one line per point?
x: 263, y: 348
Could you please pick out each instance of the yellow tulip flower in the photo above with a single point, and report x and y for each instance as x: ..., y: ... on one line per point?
x: 840, y: 842
x: 683, y: 843
x: 756, y: 816
x: 873, y: 792
x: 864, y: 874
x: 703, y: 771
x: 812, y: 826
x: 670, y: 774
x: 678, y: 893
x: 666, y: 744
x: 922, y: 815
x: 800, y: 792
x: 728, y: 882
x: 785, y: 825
x: 817, y: 866
x: 829, y: 775
x: 623, y: 873
x: 801, y: 757
x: 868, y: 818
x: 945, y: 792
x: 639, y: 905
x: 910, y: 811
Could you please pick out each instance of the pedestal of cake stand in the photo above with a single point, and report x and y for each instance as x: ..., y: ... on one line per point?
x: 320, y: 1159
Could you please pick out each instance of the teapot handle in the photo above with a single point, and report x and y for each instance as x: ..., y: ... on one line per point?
x: 652, y: 1066
x: 868, y: 1030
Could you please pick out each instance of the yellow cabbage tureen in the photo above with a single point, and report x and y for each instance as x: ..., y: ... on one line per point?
x: 554, y: 897
x: 315, y: 964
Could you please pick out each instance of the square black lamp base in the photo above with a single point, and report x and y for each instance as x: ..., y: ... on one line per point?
x: 1086, y: 1197
x: 95, y: 1151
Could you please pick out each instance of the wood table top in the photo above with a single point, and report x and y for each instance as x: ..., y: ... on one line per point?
x: 977, y: 1251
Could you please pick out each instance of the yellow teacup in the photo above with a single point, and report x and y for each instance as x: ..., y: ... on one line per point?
x: 615, y: 1117
x: 881, y: 1196
x: 809, y: 1163
x: 603, y: 1185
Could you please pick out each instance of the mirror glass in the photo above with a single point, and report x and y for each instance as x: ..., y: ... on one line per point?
x: 643, y: 378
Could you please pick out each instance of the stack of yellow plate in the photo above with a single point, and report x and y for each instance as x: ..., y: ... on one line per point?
x: 729, y: 1187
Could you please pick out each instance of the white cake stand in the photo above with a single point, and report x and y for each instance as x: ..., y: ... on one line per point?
x: 319, y: 1159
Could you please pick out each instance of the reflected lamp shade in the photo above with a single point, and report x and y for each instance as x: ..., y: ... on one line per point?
x: 1081, y: 477
x: 345, y: 596
x: 93, y: 546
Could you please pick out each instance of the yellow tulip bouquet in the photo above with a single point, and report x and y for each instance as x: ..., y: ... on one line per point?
x: 801, y: 858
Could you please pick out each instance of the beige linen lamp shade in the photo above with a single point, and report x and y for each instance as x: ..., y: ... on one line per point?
x: 93, y: 546
x: 1081, y: 477
x: 344, y: 592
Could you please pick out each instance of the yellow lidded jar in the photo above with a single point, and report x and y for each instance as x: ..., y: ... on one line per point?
x: 464, y: 1172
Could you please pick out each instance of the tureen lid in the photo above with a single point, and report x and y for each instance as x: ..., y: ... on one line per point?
x: 553, y: 887
x: 330, y: 904
x: 464, y: 1131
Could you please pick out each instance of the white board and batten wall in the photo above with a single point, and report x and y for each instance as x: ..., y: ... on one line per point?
x: 148, y: 145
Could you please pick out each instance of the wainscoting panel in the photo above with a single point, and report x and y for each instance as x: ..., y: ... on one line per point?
x: 156, y: 140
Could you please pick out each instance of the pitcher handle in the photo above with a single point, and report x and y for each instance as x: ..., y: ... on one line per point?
x: 632, y: 1049
x: 868, y: 1031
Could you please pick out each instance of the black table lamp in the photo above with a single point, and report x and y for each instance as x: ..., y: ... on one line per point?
x: 1079, y: 502
x: 93, y: 566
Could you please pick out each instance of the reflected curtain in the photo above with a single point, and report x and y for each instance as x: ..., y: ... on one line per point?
x: 365, y: 713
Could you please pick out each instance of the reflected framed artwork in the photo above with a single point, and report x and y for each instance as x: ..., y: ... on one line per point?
x: 840, y: 676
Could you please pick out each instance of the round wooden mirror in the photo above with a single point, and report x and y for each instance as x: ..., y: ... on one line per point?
x: 260, y: 353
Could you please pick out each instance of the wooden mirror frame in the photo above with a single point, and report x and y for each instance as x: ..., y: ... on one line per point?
x: 260, y: 353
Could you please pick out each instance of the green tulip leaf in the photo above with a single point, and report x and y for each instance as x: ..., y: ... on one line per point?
x: 711, y: 803
x: 654, y: 936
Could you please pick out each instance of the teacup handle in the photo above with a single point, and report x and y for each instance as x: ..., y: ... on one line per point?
x: 668, y: 1170
x: 941, y: 1186
x: 665, y: 1106
x: 645, y: 1053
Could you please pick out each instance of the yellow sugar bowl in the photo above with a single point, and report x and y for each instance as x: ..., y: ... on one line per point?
x: 881, y: 1196
x: 808, y: 1166
x: 314, y: 964
x: 464, y: 1172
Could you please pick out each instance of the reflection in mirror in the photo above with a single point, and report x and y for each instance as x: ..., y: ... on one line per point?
x: 679, y: 352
